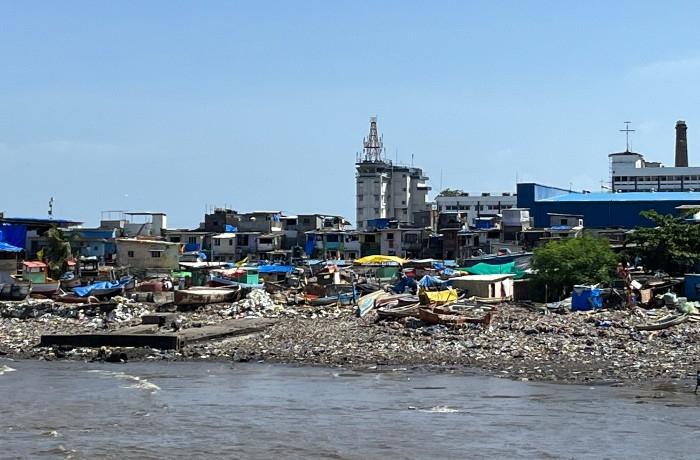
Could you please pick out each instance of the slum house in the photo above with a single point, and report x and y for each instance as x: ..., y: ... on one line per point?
x: 93, y: 242
x: 487, y: 287
x: 246, y: 245
x: 30, y: 233
x: 222, y: 220
x: 260, y: 221
x: 223, y: 247
x: 565, y: 225
x: 369, y: 243
x: 449, y: 225
x: 295, y: 227
x: 191, y: 240
x: 268, y: 243
x: 132, y: 224
x: 332, y: 245
x: 147, y: 256
x: 405, y: 242
x: 514, y: 222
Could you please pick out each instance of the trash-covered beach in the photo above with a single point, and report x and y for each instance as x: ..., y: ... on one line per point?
x: 522, y: 341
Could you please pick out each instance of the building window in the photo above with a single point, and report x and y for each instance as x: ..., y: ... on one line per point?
x: 130, y: 253
x: 230, y: 242
x: 217, y: 242
x: 175, y: 239
x: 389, y: 236
x: 192, y: 240
x: 155, y: 254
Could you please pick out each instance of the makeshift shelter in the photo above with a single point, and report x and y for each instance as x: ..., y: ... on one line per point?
x: 489, y: 287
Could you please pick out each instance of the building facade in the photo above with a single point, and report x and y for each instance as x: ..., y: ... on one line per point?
x: 630, y: 172
x: 384, y: 189
x: 473, y: 206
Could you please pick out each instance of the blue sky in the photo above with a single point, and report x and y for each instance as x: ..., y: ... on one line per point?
x: 166, y: 105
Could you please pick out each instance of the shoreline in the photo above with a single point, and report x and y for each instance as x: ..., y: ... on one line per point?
x: 600, y: 347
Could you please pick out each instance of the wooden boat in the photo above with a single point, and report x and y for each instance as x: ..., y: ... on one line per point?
x: 663, y: 323
x: 221, y: 281
x: 68, y: 298
x: 397, y: 310
x: 204, y: 295
x: 35, y: 272
x: 47, y: 288
x: 433, y: 315
x: 10, y: 291
x: 367, y: 302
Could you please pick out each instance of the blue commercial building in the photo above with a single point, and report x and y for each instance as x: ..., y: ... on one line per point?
x: 600, y: 210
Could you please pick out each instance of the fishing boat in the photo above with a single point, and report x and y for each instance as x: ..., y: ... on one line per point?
x: 10, y: 291
x: 367, y: 302
x: 35, y: 272
x: 343, y: 298
x: 663, y: 323
x: 244, y: 277
x: 205, y: 295
x: 397, y: 310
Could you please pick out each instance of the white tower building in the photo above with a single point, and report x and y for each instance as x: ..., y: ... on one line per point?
x: 386, y: 190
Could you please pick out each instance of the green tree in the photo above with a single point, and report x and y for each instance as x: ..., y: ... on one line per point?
x: 672, y: 246
x: 560, y: 265
x: 451, y: 192
x: 57, y: 252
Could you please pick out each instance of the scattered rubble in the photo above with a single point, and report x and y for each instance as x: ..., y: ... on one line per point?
x: 528, y: 341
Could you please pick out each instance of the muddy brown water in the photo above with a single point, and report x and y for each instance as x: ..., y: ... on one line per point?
x: 222, y: 410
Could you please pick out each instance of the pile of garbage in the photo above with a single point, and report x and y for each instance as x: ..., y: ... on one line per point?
x: 31, y: 308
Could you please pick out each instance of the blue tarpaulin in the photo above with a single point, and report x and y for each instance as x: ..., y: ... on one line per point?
x: 16, y: 235
x: 310, y: 243
x: 405, y: 282
x: 275, y: 268
x: 230, y: 228
x: 84, y: 291
x: 6, y: 247
x: 434, y: 282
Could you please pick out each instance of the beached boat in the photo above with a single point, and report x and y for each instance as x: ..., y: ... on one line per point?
x: 367, y: 302
x: 35, y: 272
x: 203, y: 295
x: 10, y: 291
x: 397, y: 310
x: 663, y: 323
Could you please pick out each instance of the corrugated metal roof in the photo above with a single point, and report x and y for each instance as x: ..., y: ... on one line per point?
x: 625, y: 196
x: 33, y: 264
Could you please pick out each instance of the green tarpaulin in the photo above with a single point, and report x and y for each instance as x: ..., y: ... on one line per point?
x: 491, y: 269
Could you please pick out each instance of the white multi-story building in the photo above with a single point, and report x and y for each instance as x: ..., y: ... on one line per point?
x: 385, y: 190
x: 629, y: 172
x: 471, y: 206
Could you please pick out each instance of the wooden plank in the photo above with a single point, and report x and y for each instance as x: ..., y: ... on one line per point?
x: 232, y: 327
x: 158, y: 318
x: 160, y: 341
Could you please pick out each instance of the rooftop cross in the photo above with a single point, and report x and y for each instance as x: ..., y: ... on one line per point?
x: 627, y: 132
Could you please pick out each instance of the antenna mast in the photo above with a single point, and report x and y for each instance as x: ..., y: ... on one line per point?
x: 627, y: 132
x: 373, y: 144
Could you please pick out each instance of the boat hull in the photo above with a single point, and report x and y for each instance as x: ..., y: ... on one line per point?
x: 9, y: 291
x: 204, y: 296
